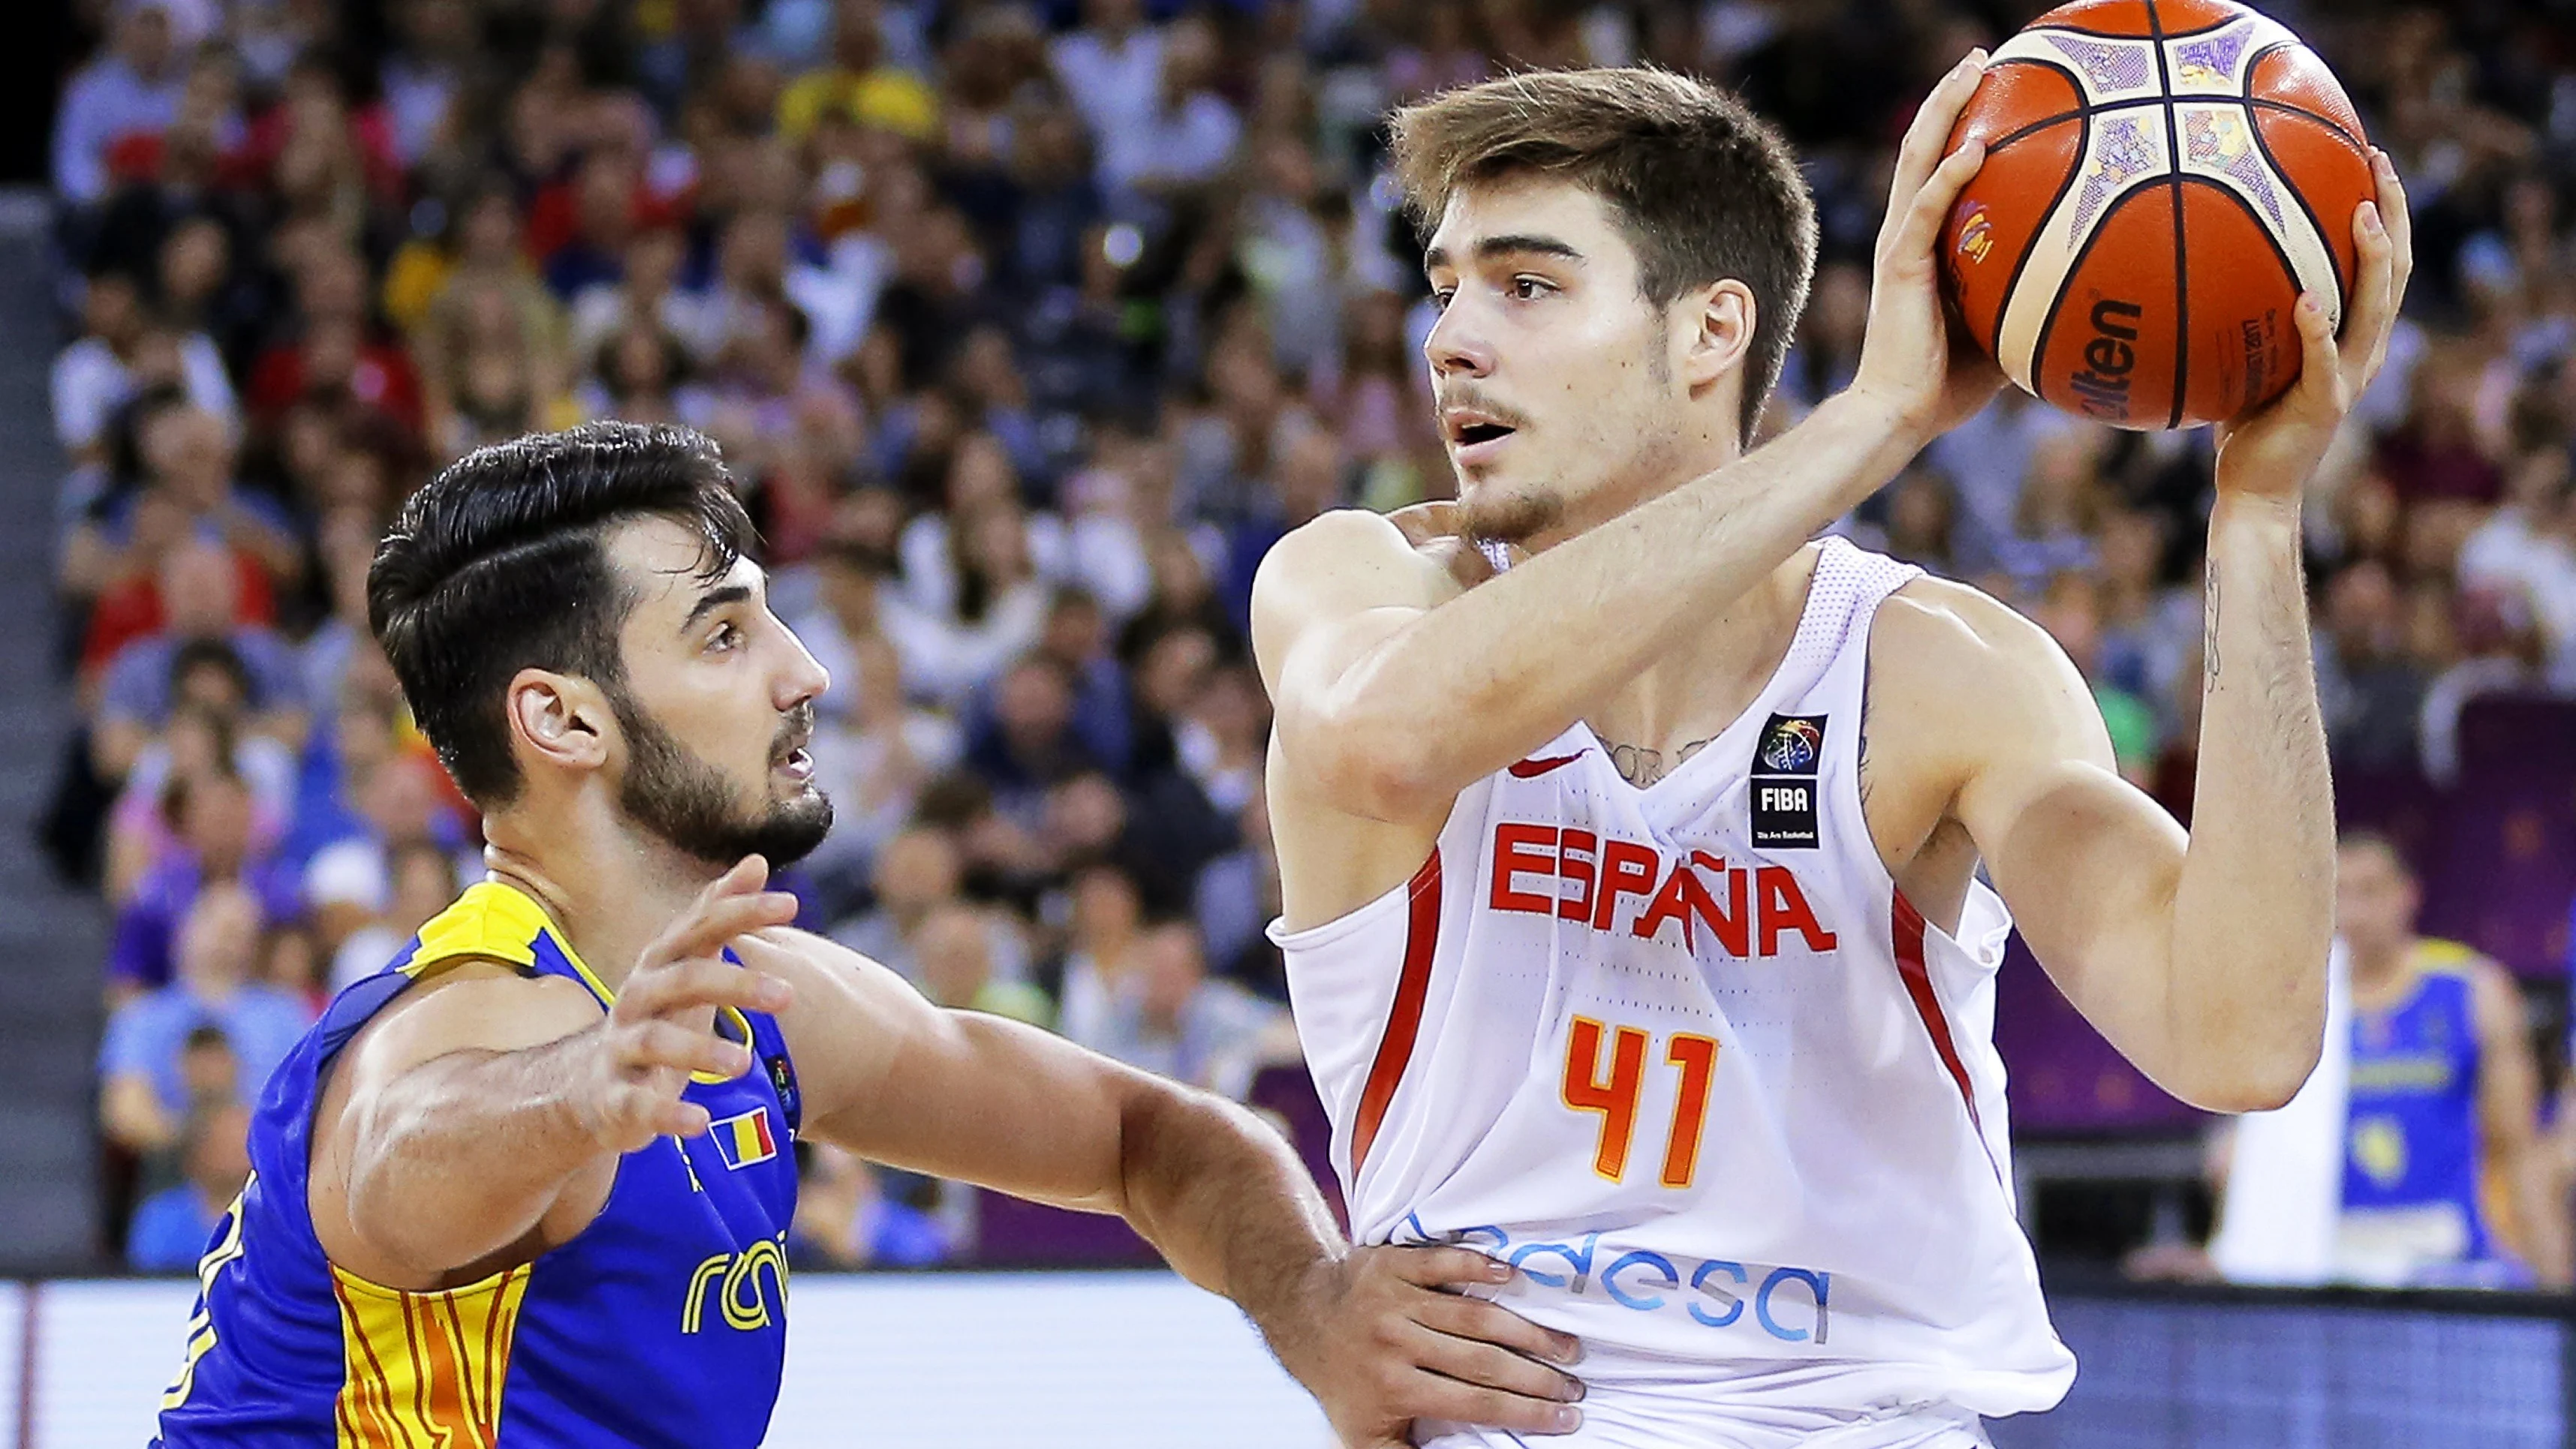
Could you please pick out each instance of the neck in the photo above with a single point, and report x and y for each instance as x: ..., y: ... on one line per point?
x: 607, y: 887
x: 1693, y: 693
x: 2378, y: 970
x: 215, y: 990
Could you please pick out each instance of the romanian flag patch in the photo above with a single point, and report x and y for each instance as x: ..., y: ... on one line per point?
x: 745, y: 1139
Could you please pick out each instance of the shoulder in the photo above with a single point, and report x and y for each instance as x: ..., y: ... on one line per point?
x: 473, y: 1005
x: 1937, y: 642
x: 1351, y: 557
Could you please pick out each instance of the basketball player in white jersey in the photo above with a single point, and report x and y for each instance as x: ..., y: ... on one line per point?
x: 1633, y: 905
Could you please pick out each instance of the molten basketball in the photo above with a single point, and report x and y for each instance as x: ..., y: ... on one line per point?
x: 2162, y: 179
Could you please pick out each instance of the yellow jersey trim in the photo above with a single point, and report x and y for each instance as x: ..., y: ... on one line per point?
x: 497, y: 921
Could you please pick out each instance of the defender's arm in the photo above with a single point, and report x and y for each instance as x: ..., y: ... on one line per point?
x: 982, y: 1099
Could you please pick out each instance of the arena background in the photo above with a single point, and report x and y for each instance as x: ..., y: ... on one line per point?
x: 999, y: 304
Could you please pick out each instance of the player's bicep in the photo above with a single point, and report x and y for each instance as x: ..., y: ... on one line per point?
x: 2086, y: 861
x: 962, y: 1095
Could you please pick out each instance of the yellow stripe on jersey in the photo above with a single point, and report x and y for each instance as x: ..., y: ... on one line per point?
x: 425, y: 1370
x: 499, y: 923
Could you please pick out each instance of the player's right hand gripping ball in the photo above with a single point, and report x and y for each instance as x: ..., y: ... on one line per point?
x: 2162, y: 179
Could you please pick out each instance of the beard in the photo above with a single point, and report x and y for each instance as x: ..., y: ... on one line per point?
x: 679, y: 797
x: 1511, y: 516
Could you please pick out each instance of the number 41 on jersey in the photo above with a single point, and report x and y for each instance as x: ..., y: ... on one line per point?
x: 1611, y: 1088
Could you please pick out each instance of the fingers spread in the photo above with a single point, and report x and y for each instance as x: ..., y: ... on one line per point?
x: 705, y: 928
x: 700, y: 982
x: 663, y: 1044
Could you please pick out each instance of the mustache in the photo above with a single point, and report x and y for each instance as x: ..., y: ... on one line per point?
x: 1468, y: 395
x: 795, y: 732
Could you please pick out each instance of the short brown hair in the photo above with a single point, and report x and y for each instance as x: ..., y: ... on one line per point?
x: 1704, y: 188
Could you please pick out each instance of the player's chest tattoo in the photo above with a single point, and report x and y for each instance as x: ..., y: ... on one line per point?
x: 1641, y: 767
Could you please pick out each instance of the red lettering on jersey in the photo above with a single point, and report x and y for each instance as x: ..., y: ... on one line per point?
x: 1512, y: 856
x: 1785, y: 908
x: 1574, y: 863
x: 1761, y: 904
x: 1627, y: 869
x: 1734, y: 925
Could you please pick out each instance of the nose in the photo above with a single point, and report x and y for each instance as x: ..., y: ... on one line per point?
x: 804, y: 679
x: 1457, y: 343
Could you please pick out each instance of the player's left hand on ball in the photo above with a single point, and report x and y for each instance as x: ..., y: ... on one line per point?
x: 1391, y: 1341
x: 2270, y: 452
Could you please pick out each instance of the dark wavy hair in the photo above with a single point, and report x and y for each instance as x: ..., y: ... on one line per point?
x: 500, y: 564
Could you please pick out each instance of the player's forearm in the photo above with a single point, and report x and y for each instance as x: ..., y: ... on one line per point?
x: 2254, y: 909
x: 463, y: 1155
x: 2540, y: 1203
x: 1227, y: 1202
x: 1488, y: 676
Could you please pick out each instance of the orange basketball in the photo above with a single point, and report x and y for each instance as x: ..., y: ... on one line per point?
x: 2162, y: 179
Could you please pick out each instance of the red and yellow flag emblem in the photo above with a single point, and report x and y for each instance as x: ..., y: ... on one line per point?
x: 744, y: 1139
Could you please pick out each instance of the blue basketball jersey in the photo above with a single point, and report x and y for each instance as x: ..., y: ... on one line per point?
x: 2411, y: 1131
x: 663, y: 1323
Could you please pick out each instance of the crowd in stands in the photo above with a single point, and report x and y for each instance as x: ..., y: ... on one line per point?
x: 1026, y: 327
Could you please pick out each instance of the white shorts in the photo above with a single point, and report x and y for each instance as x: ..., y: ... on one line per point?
x: 1940, y: 1427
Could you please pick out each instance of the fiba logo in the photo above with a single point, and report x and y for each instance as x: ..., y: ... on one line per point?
x: 1791, y: 746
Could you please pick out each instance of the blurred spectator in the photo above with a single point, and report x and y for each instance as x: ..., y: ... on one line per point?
x: 1236, y: 899
x: 1028, y: 744
x: 1108, y: 925
x: 918, y: 872
x: 124, y: 350
x: 129, y: 93
x: 1167, y: 1017
x: 2372, y: 692
x: 424, y: 883
x: 215, y: 824
x: 174, y: 1227
x: 351, y: 882
x: 146, y: 678
x: 203, y: 741
x: 2071, y: 611
x: 1186, y: 132
x: 144, y: 1097
x: 290, y: 960
x: 953, y: 951
x: 844, y: 1220
x: 858, y: 83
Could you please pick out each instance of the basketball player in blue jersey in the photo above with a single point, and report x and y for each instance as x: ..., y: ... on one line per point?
x: 531, y: 1185
x: 2440, y: 1121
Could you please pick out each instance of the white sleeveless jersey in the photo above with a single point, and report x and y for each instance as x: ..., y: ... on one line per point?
x: 1686, y: 1058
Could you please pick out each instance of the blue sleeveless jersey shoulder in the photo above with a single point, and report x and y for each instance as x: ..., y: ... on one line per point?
x: 661, y: 1324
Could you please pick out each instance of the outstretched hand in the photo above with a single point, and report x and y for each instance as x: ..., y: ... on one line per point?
x: 1912, y: 361
x: 1385, y: 1339
x: 2270, y: 452
x: 639, y: 1060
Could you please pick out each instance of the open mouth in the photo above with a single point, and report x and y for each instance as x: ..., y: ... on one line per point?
x: 1474, y: 433
x: 797, y: 764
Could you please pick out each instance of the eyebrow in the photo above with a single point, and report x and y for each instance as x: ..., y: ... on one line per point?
x: 712, y: 600
x: 1506, y: 245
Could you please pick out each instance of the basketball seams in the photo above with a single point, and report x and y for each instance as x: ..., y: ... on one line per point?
x: 2182, y: 257
x: 2325, y: 239
x: 2359, y: 146
x: 2056, y: 307
x: 2021, y: 263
